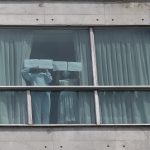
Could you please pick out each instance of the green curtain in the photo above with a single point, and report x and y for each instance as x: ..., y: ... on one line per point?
x: 123, y: 58
x: 15, y: 46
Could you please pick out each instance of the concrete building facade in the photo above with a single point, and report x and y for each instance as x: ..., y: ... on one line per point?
x: 75, y: 14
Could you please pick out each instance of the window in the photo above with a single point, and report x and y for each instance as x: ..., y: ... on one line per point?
x: 65, y: 54
x: 123, y: 59
x: 46, y: 57
x: 13, y: 107
x: 74, y: 75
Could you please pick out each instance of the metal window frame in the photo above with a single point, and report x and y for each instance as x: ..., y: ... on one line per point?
x: 77, y: 88
x: 95, y: 77
x: 28, y: 89
x: 95, y: 88
x: 29, y: 107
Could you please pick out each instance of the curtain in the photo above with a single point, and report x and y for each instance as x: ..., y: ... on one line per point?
x: 68, y: 107
x: 125, y: 107
x: 15, y: 46
x: 74, y: 106
x: 83, y: 55
x: 123, y: 58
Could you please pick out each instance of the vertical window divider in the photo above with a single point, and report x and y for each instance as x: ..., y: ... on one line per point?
x: 29, y: 107
x: 95, y: 78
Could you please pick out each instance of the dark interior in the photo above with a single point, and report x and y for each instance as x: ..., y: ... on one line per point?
x: 59, y: 47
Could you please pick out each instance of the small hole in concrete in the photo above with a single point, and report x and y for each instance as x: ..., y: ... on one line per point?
x: 123, y: 146
x: 52, y: 19
x: 97, y: 19
x: 40, y: 5
x: 108, y: 146
x: 37, y: 19
x: 112, y: 19
x: 142, y: 19
x: 61, y: 146
x: 45, y: 146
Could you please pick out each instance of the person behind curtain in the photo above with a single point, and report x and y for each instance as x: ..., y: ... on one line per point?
x: 40, y: 100
x: 68, y: 102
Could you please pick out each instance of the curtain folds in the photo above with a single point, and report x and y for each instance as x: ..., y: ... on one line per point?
x: 83, y: 55
x: 74, y: 106
x: 123, y: 58
x: 15, y: 46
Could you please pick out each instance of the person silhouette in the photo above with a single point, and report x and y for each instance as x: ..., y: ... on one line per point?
x: 41, y: 102
x: 68, y: 102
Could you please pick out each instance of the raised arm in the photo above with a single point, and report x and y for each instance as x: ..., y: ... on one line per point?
x: 26, y: 75
x: 48, y: 77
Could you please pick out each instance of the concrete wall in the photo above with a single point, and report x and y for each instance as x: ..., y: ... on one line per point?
x: 77, y: 138
x: 104, y: 1
x: 74, y: 13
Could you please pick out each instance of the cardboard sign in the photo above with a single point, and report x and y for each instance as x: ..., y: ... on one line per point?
x: 38, y: 63
x: 74, y: 66
x: 59, y: 65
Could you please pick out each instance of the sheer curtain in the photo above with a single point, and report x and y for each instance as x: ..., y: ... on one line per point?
x: 74, y: 106
x: 15, y: 46
x: 123, y: 58
x: 83, y: 55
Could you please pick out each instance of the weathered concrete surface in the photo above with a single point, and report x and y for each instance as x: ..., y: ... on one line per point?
x: 75, y: 138
x: 112, y: 1
x: 74, y: 13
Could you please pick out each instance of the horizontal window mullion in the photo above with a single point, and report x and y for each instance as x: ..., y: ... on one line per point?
x: 83, y: 88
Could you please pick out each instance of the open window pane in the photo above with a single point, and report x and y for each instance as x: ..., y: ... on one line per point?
x: 125, y: 107
x: 38, y: 57
x: 123, y: 56
x: 64, y: 107
x: 13, y: 107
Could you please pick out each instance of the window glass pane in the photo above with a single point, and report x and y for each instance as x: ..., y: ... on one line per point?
x: 45, y: 57
x: 64, y: 107
x: 123, y: 56
x: 13, y: 107
x: 125, y: 107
